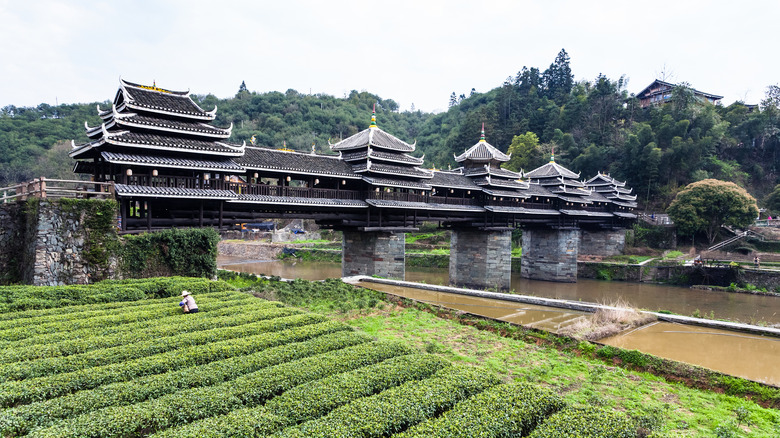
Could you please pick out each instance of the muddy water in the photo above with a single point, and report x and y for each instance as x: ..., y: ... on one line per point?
x: 746, y: 308
x: 750, y: 356
x: 541, y: 317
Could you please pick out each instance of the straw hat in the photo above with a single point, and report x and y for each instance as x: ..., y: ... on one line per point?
x: 184, y: 293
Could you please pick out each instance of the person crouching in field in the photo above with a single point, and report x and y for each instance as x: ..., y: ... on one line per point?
x: 188, y: 303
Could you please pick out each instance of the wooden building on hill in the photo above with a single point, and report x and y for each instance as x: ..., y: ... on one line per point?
x: 172, y: 167
x: 660, y: 92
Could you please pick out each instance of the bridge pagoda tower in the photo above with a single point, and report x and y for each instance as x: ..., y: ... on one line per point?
x: 481, y: 257
x: 377, y: 247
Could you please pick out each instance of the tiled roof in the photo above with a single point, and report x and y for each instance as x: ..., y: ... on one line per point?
x: 586, y: 213
x: 87, y: 167
x: 188, y: 128
x: 389, y: 182
x: 482, y: 152
x: 163, y: 101
x: 604, y: 179
x: 317, y: 202
x: 321, y: 165
x: 452, y: 180
x: 499, y: 182
x: 374, y: 137
x: 625, y: 204
x: 382, y: 203
x: 382, y: 156
x: 537, y: 190
x: 505, y: 193
x: 551, y: 169
x: 493, y: 171
x: 522, y: 210
x: 624, y: 215
x: 170, y: 143
x: 390, y: 169
x: 566, y: 190
x: 163, y: 161
x: 574, y: 199
x: 171, y: 192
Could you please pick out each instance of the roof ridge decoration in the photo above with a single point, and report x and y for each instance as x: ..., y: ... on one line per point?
x: 482, y: 151
x: 373, y: 119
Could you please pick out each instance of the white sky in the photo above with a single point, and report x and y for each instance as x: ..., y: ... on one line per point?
x: 414, y: 52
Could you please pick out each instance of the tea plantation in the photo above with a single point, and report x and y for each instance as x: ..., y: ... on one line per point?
x: 119, y: 359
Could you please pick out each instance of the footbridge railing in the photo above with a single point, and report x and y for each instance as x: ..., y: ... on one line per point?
x: 56, y: 188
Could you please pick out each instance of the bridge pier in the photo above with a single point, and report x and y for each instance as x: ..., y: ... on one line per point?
x: 481, y: 259
x: 550, y: 254
x: 378, y: 253
x: 602, y: 242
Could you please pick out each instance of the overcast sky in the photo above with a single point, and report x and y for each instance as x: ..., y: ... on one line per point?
x: 414, y: 52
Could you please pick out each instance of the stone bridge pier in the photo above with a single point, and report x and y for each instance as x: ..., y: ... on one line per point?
x: 550, y: 254
x: 379, y: 253
x: 481, y: 259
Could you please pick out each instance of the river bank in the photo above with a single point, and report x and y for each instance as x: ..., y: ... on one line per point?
x: 654, y: 271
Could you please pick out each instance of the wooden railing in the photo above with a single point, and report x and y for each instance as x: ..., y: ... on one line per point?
x: 56, y: 188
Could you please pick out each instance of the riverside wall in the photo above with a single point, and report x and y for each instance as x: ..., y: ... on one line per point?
x: 44, y: 244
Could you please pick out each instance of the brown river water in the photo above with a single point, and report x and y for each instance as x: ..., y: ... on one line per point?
x: 744, y: 355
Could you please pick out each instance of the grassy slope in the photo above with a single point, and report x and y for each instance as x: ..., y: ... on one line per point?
x: 669, y: 409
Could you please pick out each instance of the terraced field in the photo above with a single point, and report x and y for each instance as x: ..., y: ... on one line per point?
x: 118, y: 359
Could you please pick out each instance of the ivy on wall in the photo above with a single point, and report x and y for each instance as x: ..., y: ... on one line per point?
x: 188, y: 252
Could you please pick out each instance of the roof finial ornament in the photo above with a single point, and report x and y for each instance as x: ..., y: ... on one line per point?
x: 552, y: 155
x: 482, y: 137
x: 373, y: 118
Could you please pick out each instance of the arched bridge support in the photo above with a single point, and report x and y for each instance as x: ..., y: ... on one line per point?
x: 481, y: 259
x: 550, y: 254
x: 379, y: 253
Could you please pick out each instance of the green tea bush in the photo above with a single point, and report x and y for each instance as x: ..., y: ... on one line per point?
x: 398, y: 408
x: 41, y: 388
x: 193, y: 404
x: 21, y: 419
x: 585, y: 423
x: 512, y: 409
x: 264, y: 321
x: 314, y: 399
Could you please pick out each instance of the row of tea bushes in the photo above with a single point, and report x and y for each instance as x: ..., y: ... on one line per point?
x: 88, y: 339
x: 397, y: 408
x: 267, y: 320
x: 512, y: 409
x: 586, y: 423
x: 22, y: 298
x: 193, y: 404
x: 20, y: 420
x: 41, y: 388
x: 312, y: 400
x: 37, y: 317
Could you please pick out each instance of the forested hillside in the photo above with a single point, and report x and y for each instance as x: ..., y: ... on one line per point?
x: 593, y: 125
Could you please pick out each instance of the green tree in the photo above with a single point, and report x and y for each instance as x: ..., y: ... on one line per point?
x: 706, y: 205
x: 772, y: 201
x: 526, y: 153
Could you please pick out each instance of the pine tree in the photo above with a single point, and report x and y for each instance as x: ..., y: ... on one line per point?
x: 453, y: 99
x: 242, y: 88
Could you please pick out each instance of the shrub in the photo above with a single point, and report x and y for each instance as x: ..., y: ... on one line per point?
x: 585, y: 423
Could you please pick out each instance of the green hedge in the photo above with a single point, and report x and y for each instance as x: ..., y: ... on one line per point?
x: 20, y: 420
x: 313, y: 399
x: 267, y: 320
x: 41, y: 388
x: 505, y: 410
x: 585, y: 423
x: 189, y: 252
x: 192, y: 404
x: 397, y: 408
x: 21, y: 298
x: 77, y: 342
